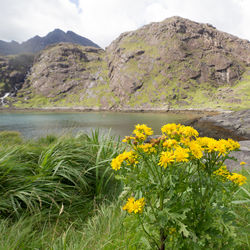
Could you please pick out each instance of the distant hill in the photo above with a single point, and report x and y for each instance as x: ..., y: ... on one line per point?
x: 38, y: 43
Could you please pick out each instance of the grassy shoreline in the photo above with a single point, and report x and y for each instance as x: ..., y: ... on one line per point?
x: 82, y: 109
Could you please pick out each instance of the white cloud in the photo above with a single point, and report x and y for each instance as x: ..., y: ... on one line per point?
x: 103, y: 20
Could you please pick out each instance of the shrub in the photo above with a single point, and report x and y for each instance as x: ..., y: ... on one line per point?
x: 179, y: 188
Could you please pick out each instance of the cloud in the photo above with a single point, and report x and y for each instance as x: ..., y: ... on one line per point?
x: 104, y: 20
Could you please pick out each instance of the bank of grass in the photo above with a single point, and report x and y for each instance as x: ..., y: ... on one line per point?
x: 51, y: 172
x: 60, y: 193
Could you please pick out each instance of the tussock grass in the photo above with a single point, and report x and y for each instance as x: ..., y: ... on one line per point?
x: 42, y: 175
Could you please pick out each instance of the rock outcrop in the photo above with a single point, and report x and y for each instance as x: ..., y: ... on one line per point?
x: 65, y: 74
x: 162, y: 62
x: 13, y: 70
x: 234, y: 125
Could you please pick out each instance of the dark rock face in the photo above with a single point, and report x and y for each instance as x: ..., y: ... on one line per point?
x: 235, y: 125
x: 13, y: 70
x: 177, y: 51
x: 38, y: 43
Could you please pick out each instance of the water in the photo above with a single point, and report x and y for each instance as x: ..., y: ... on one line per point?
x: 2, y: 98
x: 33, y: 125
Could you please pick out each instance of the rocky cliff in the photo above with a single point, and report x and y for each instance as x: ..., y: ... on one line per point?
x: 13, y: 70
x: 67, y: 74
x: 176, y: 63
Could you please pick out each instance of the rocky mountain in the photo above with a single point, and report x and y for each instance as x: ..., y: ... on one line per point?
x: 38, y: 43
x: 168, y: 62
x: 67, y: 74
x: 176, y: 63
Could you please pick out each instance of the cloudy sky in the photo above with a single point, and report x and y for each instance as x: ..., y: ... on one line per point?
x: 103, y: 20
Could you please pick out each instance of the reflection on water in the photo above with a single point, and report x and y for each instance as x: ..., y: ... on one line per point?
x: 39, y: 124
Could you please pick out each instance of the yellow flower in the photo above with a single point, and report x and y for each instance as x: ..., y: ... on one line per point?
x: 188, y: 131
x: 169, y: 143
x: 117, y: 162
x: 130, y: 157
x: 142, y: 131
x: 233, y: 145
x: 129, y: 206
x: 147, y: 148
x: 170, y: 129
x: 173, y: 129
x: 135, y: 206
x: 166, y: 158
x: 222, y: 171
x: 128, y: 139
x: 221, y: 147
x: 237, y: 178
x: 172, y: 230
x: 181, y: 154
x: 196, y: 149
x: 242, y: 163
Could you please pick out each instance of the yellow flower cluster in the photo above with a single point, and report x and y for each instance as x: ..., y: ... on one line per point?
x: 222, y: 171
x: 237, y: 178
x: 142, y: 131
x: 169, y: 143
x: 147, y: 148
x: 173, y: 129
x: 134, y: 206
x: 178, y: 143
x: 221, y: 146
x: 128, y: 138
x: 195, y: 149
x: 129, y: 156
x: 234, y: 177
x: 178, y: 155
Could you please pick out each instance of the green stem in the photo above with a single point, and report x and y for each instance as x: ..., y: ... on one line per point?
x: 162, y: 233
x: 145, y: 231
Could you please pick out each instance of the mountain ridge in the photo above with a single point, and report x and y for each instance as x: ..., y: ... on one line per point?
x: 37, y: 43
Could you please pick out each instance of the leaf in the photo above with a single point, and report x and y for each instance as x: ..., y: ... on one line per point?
x: 241, y: 201
x: 183, y: 229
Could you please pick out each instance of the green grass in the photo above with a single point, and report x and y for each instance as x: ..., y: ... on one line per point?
x: 42, y: 175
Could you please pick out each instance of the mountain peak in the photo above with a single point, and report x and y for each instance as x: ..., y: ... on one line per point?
x: 58, y: 31
x: 38, y: 43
